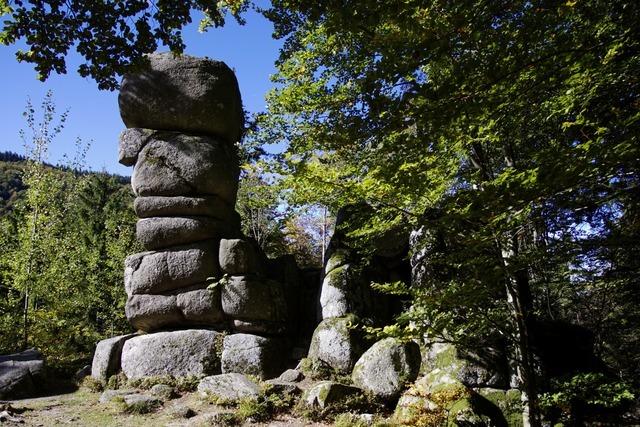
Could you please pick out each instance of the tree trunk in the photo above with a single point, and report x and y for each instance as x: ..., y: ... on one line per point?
x: 519, y: 300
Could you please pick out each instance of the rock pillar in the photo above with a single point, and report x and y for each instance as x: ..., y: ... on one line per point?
x: 199, y: 276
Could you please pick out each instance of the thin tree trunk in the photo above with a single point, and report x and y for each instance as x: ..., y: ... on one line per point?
x: 519, y: 300
x: 324, y: 234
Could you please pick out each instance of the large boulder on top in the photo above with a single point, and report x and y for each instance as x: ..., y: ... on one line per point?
x: 21, y: 374
x: 249, y: 299
x: 253, y: 354
x: 191, y: 352
x: 183, y: 93
x: 173, y: 164
x: 387, y: 367
x: 213, y: 206
x: 163, y: 232
x: 174, y: 268
x: 106, y: 359
x: 336, y: 344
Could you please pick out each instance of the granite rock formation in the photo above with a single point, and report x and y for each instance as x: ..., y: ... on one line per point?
x: 199, y: 274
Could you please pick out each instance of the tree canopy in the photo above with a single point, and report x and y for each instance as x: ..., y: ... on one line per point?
x: 504, y: 133
x: 111, y: 36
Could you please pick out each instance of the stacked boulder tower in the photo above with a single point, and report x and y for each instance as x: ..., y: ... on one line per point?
x: 198, y: 276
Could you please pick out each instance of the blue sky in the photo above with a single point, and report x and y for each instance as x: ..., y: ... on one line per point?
x: 249, y: 50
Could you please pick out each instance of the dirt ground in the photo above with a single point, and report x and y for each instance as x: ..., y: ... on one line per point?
x: 81, y: 408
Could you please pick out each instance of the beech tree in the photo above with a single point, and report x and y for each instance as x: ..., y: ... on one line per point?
x: 112, y: 36
x: 504, y: 127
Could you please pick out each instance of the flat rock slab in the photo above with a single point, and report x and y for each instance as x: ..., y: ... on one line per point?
x: 106, y: 359
x: 191, y: 352
x: 21, y: 374
x: 183, y: 93
x: 174, y: 164
x: 213, y: 206
x: 110, y: 395
x: 141, y: 403
x: 228, y: 388
x: 178, y: 267
x: 199, y: 307
x: 253, y: 354
x: 152, y: 312
x: 164, y: 232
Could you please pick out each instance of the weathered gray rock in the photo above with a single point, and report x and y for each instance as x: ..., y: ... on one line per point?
x: 141, y: 403
x: 335, y: 294
x: 326, y: 393
x: 164, y: 232
x: 249, y: 299
x: 337, y: 258
x: 291, y: 375
x: 106, y: 359
x: 109, y: 395
x: 279, y: 387
x: 344, y: 291
x: 21, y: 374
x: 151, y: 312
x: 335, y: 344
x: 213, y: 206
x: 191, y: 352
x: 239, y: 257
x: 174, y: 268
x: 268, y: 328
x: 253, y: 354
x: 444, y: 360
x: 183, y: 165
x: 163, y: 391
x: 188, y: 94
x: 182, y: 411
x: 463, y: 406
x: 131, y: 143
x: 228, y: 388
x: 387, y: 367
x: 201, y: 307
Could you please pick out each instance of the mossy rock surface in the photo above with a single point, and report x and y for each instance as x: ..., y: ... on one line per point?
x: 387, y: 367
x: 336, y: 344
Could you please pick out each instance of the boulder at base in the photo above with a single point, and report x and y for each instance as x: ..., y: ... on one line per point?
x: 106, y: 360
x: 191, y: 352
x: 335, y: 344
x: 183, y: 93
x: 387, y: 367
x: 326, y: 393
x: 228, y: 388
x: 21, y: 374
x: 253, y: 354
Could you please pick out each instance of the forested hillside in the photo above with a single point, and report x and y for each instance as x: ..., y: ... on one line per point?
x: 63, y: 238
